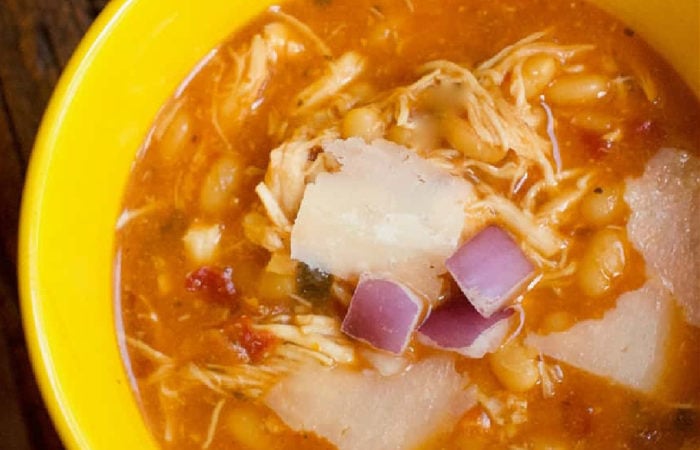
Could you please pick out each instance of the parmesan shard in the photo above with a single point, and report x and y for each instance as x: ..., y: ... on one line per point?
x: 628, y: 345
x: 664, y: 224
x: 365, y: 410
x: 387, y: 212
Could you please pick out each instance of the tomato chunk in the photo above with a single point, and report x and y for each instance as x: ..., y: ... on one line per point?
x: 215, y: 281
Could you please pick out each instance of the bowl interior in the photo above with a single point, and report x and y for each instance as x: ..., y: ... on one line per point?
x: 130, y: 62
x: 670, y: 27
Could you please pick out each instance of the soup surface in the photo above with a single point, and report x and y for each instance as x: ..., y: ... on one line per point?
x: 418, y: 224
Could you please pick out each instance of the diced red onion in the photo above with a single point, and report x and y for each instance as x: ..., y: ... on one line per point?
x: 490, y: 269
x: 457, y: 326
x: 383, y: 313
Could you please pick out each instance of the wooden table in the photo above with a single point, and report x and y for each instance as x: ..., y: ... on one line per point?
x: 37, y: 38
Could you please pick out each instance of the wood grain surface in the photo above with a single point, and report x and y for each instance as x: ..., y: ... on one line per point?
x: 37, y: 38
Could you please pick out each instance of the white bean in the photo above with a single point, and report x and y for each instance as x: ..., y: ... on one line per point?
x: 363, y: 122
x: 603, y: 262
x: 515, y: 366
x: 594, y: 121
x: 538, y: 71
x: 361, y: 91
x: 220, y: 184
x: 461, y: 136
x: 275, y: 286
x: 247, y: 428
x: 176, y: 134
x: 577, y: 89
x: 557, y: 321
x: 603, y: 205
x: 424, y: 136
x: 401, y: 135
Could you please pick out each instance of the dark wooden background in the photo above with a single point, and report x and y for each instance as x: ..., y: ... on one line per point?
x: 37, y: 38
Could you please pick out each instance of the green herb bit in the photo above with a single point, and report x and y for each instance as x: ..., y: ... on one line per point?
x: 313, y: 284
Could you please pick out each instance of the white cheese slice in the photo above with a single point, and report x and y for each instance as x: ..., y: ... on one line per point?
x: 387, y: 211
x: 364, y: 410
x: 628, y: 345
x: 664, y: 224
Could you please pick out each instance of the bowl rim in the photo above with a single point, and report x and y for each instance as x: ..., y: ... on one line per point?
x: 65, y: 259
x: 70, y: 79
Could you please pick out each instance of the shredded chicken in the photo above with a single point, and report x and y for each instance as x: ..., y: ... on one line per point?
x: 504, y: 408
x: 304, y: 29
x: 322, y: 344
x: 541, y: 237
x: 549, y: 375
x: 498, y: 120
x: 238, y: 92
x: 274, y: 210
x: 340, y: 73
x: 148, y: 351
x: 201, y: 242
x: 559, y: 209
x: 510, y: 61
x: 259, y: 230
x: 305, y: 339
x: 495, y: 120
x: 211, y: 430
x: 286, y: 174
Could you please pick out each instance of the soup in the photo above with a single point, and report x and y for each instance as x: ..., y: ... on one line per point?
x: 418, y: 224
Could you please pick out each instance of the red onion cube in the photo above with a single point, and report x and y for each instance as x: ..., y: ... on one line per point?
x: 383, y: 313
x: 490, y: 269
x: 457, y: 326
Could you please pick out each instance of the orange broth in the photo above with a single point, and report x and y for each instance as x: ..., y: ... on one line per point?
x: 396, y: 37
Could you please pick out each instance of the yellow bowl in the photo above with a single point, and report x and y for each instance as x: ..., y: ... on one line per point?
x: 129, y: 63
